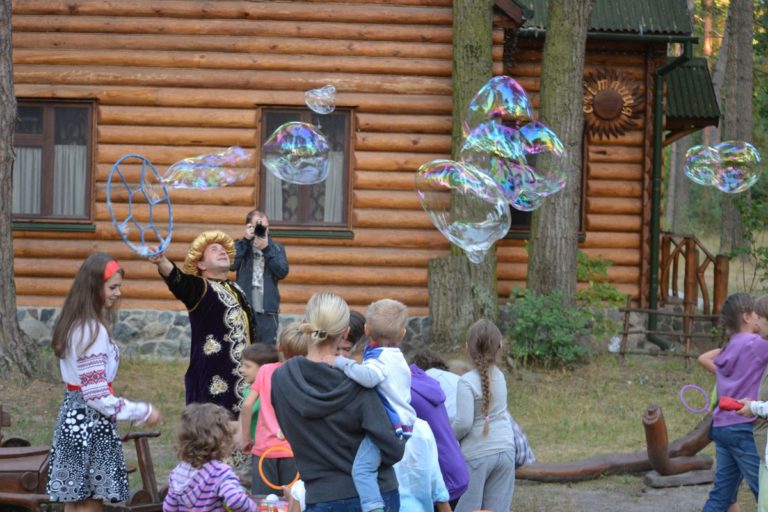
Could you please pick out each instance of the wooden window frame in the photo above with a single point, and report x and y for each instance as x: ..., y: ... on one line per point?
x: 46, y: 141
x: 325, y: 230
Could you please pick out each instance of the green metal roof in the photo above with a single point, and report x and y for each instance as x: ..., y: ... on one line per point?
x: 653, y: 17
x: 690, y: 93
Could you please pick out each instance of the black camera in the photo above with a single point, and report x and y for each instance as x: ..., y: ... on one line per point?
x: 260, y: 230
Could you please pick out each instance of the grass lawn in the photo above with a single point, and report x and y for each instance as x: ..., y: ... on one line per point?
x: 567, y: 415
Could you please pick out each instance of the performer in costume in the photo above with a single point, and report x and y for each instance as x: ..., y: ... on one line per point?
x: 220, y: 316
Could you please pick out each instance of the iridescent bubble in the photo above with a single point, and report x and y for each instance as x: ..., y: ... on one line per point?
x: 739, y: 166
x: 297, y: 153
x: 464, y: 204
x: 545, y: 147
x: 322, y: 100
x: 501, y: 97
x: 504, y: 171
x: 495, y: 138
x: 528, y: 199
x: 701, y: 164
x: 210, y: 170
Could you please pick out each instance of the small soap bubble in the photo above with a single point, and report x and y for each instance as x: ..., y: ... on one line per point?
x: 297, y: 153
x: 701, y: 164
x: 464, y: 204
x: 210, y: 170
x: 322, y: 100
x: 738, y: 168
x: 501, y: 97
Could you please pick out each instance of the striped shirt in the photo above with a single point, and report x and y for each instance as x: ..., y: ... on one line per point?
x: 209, y: 488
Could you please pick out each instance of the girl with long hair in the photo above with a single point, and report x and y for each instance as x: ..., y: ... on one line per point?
x: 87, y: 464
x: 482, y: 424
x: 738, y: 368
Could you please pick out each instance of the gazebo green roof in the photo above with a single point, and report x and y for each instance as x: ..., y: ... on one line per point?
x: 652, y: 17
x: 690, y: 95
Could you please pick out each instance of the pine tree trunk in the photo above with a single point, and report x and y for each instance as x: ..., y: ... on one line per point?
x: 737, y: 103
x: 461, y: 292
x: 679, y: 188
x: 17, y: 350
x: 555, y: 226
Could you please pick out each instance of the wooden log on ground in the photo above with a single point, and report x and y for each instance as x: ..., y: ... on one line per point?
x: 657, y: 445
x: 231, y: 98
x: 697, y: 477
x: 611, y: 464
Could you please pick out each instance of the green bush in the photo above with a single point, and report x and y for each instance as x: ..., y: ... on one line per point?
x: 545, y: 330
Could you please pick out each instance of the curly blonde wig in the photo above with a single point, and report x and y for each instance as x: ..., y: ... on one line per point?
x: 199, y: 244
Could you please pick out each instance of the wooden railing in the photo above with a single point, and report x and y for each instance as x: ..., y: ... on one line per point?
x: 685, y: 250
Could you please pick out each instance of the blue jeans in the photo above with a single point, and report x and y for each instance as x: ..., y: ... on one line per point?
x: 736, y: 457
x: 391, y: 504
x: 365, y: 475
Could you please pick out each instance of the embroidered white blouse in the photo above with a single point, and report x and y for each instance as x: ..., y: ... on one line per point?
x: 94, y: 369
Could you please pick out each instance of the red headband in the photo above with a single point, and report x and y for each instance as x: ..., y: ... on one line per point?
x: 112, y: 267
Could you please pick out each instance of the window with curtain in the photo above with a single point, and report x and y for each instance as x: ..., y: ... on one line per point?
x: 52, y: 169
x: 320, y: 205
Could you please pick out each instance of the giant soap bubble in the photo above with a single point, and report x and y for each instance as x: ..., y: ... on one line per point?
x: 297, y: 153
x: 701, y: 164
x: 465, y: 205
x: 322, y: 100
x: 210, y: 170
x: 738, y: 166
x: 502, y: 98
x: 731, y: 166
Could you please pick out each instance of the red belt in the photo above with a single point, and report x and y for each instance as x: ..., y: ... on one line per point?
x: 70, y: 387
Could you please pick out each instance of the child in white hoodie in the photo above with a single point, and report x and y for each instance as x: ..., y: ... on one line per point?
x: 202, y: 482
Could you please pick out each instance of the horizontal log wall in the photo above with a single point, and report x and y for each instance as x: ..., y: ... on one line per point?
x: 176, y: 78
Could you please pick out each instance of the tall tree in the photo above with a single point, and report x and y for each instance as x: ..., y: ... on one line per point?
x: 17, y: 351
x: 460, y: 292
x: 554, y: 227
x: 736, y: 100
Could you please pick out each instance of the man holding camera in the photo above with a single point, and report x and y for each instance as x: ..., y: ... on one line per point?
x: 260, y: 263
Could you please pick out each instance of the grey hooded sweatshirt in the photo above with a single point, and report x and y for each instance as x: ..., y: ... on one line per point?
x: 324, y: 416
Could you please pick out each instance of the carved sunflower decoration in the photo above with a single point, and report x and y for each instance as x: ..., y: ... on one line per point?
x: 611, y: 103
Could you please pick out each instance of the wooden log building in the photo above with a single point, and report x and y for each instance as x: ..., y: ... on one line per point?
x: 169, y: 79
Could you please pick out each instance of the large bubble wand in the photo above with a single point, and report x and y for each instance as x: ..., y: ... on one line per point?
x: 150, y: 193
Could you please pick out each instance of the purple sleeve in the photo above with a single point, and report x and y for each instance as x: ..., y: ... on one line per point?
x: 233, y: 495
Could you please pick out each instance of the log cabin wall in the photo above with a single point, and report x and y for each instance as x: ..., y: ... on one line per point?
x: 177, y: 78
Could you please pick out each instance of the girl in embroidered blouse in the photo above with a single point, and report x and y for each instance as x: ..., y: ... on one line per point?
x: 87, y: 464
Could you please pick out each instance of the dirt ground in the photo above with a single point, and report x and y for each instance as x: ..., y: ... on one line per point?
x: 625, y: 493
